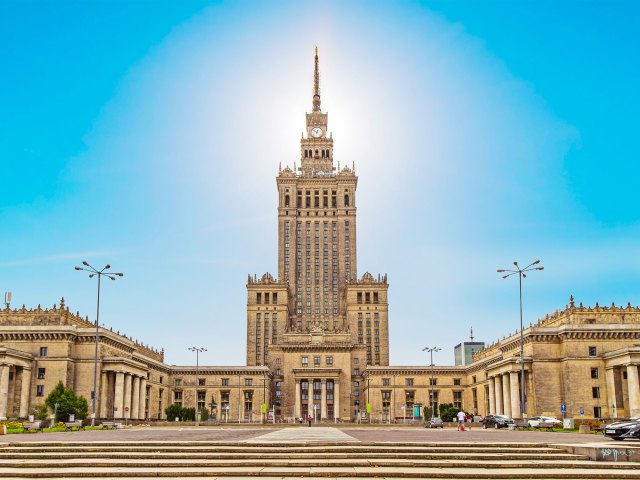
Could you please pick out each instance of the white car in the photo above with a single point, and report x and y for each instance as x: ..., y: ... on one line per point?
x: 536, y: 421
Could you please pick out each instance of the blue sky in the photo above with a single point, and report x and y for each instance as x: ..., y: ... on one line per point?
x: 148, y: 134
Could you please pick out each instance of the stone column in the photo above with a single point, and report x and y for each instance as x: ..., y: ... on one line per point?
x: 118, y: 401
x: 309, y: 397
x: 492, y: 395
x: 634, y: 391
x: 506, y: 395
x: 514, y: 383
x: 323, y: 401
x: 135, y: 398
x: 4, y: 391
x: 142, y: 408
x: 336, y: 400
x: 24, y: 393
x: 611, y: 392
x: 127, y: 395
x: 498, y: 382
x: 104, y: 393
x: 297, y: 412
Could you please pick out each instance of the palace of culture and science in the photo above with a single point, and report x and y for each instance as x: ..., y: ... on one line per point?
x: 318, y: 338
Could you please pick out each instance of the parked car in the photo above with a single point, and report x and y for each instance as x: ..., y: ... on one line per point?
x: 623, y: 429
x: 435, y: 422
x: 535, y: 421
x: 497, y: 421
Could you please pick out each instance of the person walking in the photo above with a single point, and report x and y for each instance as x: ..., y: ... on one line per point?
x: 460, y: 416
x: 309, y: 418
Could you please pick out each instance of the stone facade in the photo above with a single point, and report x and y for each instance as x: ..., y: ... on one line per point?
x: 40, y: 347
x: 318, y: 338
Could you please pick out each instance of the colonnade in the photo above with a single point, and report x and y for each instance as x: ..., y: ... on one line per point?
x: 125, y: 392
x: 22, y: 373
x: 504, y: 394
x: 633, y: 386
x: 323, y: 399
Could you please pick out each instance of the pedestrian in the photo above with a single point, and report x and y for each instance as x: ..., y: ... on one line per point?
x: 467, y: 419
x: 461, y: 416
x: 309, y: 418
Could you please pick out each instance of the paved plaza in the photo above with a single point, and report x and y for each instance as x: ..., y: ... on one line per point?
x: 303, y: 433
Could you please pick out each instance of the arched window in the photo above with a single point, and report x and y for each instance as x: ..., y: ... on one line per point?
x: 306, y: 153
x: 323, y: 153
x: 346, y: 200
x: 286, y: 200
x: 316, y: 153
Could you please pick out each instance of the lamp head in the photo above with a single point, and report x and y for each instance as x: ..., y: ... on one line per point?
x: 78, y: 268
x: 536, y: 262
x: 515, y: 263
x: 539, y: 268
x: 107, y: 266
x: 85, y: 263
x: 91, y: 275
x: 500, y: 271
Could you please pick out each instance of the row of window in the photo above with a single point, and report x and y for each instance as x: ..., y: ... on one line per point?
x: 386, y: 382
x: 224, y: 382
x: 304, y: 361
x: 273, y: 297
x: 367, y: 297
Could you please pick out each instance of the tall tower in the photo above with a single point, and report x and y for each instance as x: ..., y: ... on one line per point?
x: 317, y: 325
x: 317, y: 227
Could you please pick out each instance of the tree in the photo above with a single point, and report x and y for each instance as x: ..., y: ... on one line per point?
x: 448, y: 412
x: 68, y: 403
x: 427, y: 412
x: 173, y: 411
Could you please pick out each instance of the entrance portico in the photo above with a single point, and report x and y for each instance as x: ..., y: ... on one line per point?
x: 15, y: 383
x: 317, y: 392
x: 123, y: 389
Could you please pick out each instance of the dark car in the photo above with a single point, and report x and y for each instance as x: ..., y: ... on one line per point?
x: 435, y: 422
x: 623, y: 429
x: 497, y: 421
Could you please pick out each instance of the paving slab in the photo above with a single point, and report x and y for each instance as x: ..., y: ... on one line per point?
x: 295, y: 435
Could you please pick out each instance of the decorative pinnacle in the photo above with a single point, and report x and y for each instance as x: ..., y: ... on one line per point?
x: 316, y: 85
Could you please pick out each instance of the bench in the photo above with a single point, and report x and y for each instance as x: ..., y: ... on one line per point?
x: 77, y: 424
x: 110, y: 425
x: 29, y: 426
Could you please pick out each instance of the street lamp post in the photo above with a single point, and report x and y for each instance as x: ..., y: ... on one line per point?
x: 433, y: 400
x: 100, y: 273
x: 197, y: 350
x: 522, y: 273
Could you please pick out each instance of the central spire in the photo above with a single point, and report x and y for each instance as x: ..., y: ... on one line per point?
x: 316, y: 85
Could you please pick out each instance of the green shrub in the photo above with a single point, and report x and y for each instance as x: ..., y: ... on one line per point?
x: 68, y: 403
x: 448, y: 412
x: 39, y: 411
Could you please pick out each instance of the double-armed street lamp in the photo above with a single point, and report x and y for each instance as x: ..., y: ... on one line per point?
x: 433, y: 400
x: 100, y: 273
x: 197, y: 350
x: 522, y: 273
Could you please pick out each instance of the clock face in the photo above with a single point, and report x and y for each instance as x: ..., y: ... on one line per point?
x: 316, y: 132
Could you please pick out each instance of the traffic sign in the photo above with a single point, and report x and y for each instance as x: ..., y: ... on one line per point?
x: 582, y: 413
x: 563, y: 408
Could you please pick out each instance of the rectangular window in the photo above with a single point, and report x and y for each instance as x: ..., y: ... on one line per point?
x: 594, y: 372
x: 177, y: 396
x: 595, y: 391
x: 409, y: 381
x: 39, y: 390
x: 305, y: 361
x: 433, y: 381
x: 248, y: 382
x: 274, y: 298
x: 225, y: 382
x: 329, y: 360
x: 456, y: 381
x: 41, y: 373
x: 386, y: 382
x: 277, y: 372
x: 597, y: 412
x: 316, y: 361
x: 356, y: 371
x: 201, y: 381
x: 457, y: 399
x: 360, y: 298
x: 44, y: 351
x: 178, y: 382
x: 592, y: 351
x: 259, y: 298
x: 375, y: 297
